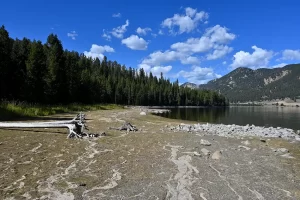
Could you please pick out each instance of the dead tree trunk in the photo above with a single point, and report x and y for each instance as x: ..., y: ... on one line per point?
x: 75, y: 126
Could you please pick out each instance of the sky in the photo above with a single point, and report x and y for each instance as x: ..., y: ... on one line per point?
x: 192, y: 41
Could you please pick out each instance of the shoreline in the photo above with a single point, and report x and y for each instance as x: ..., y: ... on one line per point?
x: 233, y: 130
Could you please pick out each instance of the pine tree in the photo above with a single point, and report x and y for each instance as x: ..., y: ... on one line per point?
x: 36, y: 73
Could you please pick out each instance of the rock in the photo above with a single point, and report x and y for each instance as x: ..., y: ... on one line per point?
x: 205, y: 142
x: 216, y: 155
x: 262, y: 140
x: 103, y: 134
x: 205, y: 152
x: 243, y: 147
x: 246, y: 142
x: 197, y: 154
x: 282, y: 150
x: 298, y: 132
x: 143, y: 113
x: 287, y: 155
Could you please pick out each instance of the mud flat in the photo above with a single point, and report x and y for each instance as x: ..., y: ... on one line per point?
x: 164, y: 159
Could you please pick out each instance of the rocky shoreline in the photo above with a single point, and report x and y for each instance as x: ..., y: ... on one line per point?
x: 238, y: 131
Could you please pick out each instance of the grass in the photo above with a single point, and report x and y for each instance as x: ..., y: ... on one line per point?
x: 13, y: 109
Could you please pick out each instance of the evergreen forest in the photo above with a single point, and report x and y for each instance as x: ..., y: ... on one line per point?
x: 46, y: 73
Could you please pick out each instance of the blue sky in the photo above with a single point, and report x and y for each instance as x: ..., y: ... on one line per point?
x: 193, y: 41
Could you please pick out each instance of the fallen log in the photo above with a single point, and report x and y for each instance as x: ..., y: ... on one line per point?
x: 76, y: 126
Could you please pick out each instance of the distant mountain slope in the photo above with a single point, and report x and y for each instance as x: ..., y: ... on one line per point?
x: 190, y: 85
x: 244, y: 84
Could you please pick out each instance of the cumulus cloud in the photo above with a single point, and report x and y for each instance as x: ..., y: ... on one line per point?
x: 193, y: 45
x: 97, y: 51
x: 219, y: 34
x: 289, y: 54
x: 185, y: 22
x: 135, y: 43
x: 213, y: 38
x: 219, y: 52
x: 143, y: 31
x: 190, y: 60
x: 199, y: 75
x: 120, y: 30
x: 160, y: 69
x: 72, y: 35
x: 117, y: 15
x: 156, y: 70
x: 258, y: 59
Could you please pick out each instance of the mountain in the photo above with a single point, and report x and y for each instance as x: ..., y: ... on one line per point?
x: 190, y: 85
x: 244, y: 84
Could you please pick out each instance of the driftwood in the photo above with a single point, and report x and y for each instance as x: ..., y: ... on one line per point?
x: 125, y: 127
x: 76, y: 126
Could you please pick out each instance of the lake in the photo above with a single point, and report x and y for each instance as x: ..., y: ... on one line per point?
x: 287, y: 117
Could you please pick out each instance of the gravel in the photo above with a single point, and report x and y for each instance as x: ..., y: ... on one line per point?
x: 241, y: 131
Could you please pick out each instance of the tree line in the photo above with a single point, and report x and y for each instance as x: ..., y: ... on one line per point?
x: 47, y: 74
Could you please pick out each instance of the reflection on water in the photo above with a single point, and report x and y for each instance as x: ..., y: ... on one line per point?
x: 288, y: 117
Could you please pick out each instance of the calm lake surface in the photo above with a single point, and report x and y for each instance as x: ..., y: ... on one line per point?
x: 287, y: 117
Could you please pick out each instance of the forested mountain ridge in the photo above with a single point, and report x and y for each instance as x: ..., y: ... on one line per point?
x: 47, y: 74
x: 244, y: 84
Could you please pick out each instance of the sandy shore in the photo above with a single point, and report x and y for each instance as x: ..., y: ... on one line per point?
x: 165, y: 159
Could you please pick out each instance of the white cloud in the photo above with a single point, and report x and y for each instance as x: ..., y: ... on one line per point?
x: 146, y: 67
x: 120, y: 30
x: 190, y: 60
x: 224, y: 62
x: 289, y: 54
x: 154, y: 35
x: 160, y: 69
x: 258, y: 59
x: 97, y: 51
x: 117, y: 15
x: 143, y: 31
x: 106, y: 35
x: 279, y: 65
x: 72, y: 35
x: 219, y: 52
x: 136, y: 43
x: 199, y: 75
x: 193, y: 45
x: 213, y: 38
x: 159, y: 57
x: 186, y: 22
x: 219, y: 34
x: 156, y: 70
x: 160, y: 32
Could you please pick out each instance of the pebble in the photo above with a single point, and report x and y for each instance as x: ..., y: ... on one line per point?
x: 205, y: 152
x: 205, y: 142
x: 243, y: 147
x: 216, y: 155
x: 197, y: 154
x: 246, y: 142
x: 287, y: 155
x: 143, y: 113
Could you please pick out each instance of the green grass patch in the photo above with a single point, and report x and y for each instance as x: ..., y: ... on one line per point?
x: 11, y: 110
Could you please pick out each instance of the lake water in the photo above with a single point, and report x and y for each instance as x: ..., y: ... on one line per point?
x: 287, y: 117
